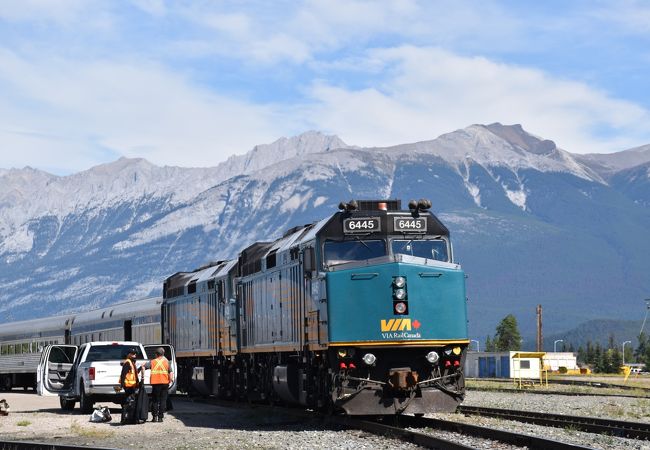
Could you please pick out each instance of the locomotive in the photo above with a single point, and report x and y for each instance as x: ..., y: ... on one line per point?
x: 363, y: 311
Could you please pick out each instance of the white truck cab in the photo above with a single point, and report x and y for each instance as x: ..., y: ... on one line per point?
x: 89, y: 373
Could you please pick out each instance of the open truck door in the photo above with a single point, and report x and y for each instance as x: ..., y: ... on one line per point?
x: 171, y: 357
x: 52, y: 374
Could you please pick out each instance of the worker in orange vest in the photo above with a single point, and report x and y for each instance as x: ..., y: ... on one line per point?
x: 162, y: 376
x: 128, y: 377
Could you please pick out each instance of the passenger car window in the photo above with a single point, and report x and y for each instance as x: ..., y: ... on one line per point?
x: 423, y: 248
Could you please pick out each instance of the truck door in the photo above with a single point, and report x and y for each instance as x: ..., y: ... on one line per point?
x: 53, y: 369
x: 170, y: 354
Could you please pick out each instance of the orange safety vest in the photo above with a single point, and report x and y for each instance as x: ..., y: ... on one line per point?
x: 130, y: 379
x: 159, y: 371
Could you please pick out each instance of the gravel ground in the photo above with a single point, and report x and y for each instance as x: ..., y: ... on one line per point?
x: 197, y: 425
x: 632, y: 409
x: 188, y: 426
x: 619, y: 408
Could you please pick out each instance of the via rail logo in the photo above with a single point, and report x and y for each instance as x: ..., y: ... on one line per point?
x: 400, y: 329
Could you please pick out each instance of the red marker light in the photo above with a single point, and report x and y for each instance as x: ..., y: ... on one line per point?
x: 447, y: 363
x: 352, y: 366
x: 456, y: 363
x: 342, y: 366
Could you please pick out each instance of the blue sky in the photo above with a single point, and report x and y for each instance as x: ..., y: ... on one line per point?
x: 84, y: 82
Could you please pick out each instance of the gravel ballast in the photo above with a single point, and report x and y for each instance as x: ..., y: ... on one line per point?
x: 200, y: 425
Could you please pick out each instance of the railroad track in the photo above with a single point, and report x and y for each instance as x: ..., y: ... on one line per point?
x: 620, y: 428
x: 402, y: 423
x: 596, y: 384
x: 399, y: 427
x: 546, y: 392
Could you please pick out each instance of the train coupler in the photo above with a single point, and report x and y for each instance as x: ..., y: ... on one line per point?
x: 402, y: 378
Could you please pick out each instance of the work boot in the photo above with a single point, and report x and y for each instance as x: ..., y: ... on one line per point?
x: 160, y: 418
x: 154, y: 413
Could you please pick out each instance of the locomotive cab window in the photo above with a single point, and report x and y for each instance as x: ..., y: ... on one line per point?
x: 423, y: 248
x: 341, y: 252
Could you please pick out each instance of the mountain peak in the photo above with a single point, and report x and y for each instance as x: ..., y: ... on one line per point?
x: 517, y: 136
x: 264, y: 155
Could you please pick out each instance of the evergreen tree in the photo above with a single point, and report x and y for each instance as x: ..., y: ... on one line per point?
x: 646, y: 359
x: 582, y: 356
x: 640, y: 351
x: 489, y: 344
x: 617, y: 360
x: 593, y: 354
x: 507, y: 336
x: 601, y: 361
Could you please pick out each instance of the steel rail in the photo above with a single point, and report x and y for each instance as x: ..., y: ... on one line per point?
x: 508, y: 437
x: 596, y: 384
x: 620, y: 428
x: 396, y: 432
x: 23, y: 445
x: 544, y: 392
x: 395, y: 426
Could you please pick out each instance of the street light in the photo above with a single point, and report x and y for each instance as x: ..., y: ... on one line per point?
x: 478, y: 344
x: 555, y: 344
x: 626, y: 342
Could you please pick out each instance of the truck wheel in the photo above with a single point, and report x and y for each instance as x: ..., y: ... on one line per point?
x: 7, y: 385
x: 85, y: 401
x: 66, y: 405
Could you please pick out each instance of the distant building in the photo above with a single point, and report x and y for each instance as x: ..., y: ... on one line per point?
x: 516, y: 364
x: 554, y: 360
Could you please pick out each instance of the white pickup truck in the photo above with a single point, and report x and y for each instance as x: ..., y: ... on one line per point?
x: 89, y: 373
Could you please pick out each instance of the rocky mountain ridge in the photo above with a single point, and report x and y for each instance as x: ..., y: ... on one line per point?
x: 531, y: 223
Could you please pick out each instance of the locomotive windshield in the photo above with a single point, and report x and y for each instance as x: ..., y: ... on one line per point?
x: 424, y: 248
x: 340, y: 252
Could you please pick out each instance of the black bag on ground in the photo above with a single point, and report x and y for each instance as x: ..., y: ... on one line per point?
x: 129, y: 410
x: 142, y: 404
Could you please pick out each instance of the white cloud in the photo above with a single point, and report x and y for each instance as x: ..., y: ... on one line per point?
x: 71, y: 112
x: 429, y: 91
x: 156, y: 8
x: 67, y: 14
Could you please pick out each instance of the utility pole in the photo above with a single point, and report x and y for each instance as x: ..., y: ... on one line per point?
x: 647, y: 307
x: 540, y: 338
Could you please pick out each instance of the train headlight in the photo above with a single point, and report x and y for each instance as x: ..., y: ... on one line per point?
x: 342, y: 353
x: 400, y: 294
x: 400, y: 308
x: 456, y: 350
x: 399, y: 282
x: 369, y: 359
x: 433, y: 357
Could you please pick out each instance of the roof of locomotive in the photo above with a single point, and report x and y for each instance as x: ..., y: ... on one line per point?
x: 213, y: 270
x: 300, y: 235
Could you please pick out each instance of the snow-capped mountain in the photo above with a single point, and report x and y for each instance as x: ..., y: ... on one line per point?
x: 531, y: 223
